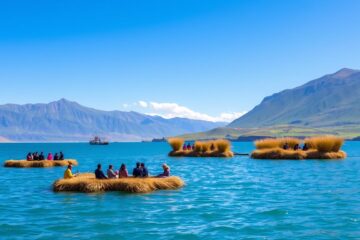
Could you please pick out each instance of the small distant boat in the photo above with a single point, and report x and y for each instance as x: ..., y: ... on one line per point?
x: 98, y: 141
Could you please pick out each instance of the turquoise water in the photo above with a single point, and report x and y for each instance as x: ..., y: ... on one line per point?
x: 237, y: 198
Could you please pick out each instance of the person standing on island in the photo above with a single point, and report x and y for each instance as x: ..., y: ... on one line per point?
x: 305, y: 147
x: 99, y: 174
x: 188, y: 147
x: 286, y: 146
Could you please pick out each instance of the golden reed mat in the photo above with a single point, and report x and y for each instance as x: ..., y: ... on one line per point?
x: 39, y: 164
x: 211, y: 148
x: 279, y: 153
x: 322, y: 147
x: 87, y: 183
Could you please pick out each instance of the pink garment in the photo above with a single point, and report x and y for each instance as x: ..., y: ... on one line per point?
x: 50, y: 156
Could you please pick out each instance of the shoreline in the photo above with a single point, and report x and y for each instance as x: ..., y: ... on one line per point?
x: 346, y: 140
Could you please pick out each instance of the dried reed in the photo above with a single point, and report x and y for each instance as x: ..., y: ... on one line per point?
x: 176, y: 143
x: 39, y: 164
x: 88, y: 184
x: 276, y: 142
x: 325, y: 143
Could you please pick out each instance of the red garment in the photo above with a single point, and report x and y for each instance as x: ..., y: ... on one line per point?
x: 123, y: 173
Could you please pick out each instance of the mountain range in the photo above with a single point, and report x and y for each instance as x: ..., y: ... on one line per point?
x: 332, y: 100
x: 65, y: 120
x: 327, y: 105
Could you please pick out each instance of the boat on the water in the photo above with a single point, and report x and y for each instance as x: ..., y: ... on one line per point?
x: 97, y: 141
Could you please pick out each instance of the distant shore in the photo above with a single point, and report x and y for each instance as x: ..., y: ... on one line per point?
x: 240, y: 139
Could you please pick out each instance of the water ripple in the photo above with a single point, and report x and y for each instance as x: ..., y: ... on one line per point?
x: 223, y: 198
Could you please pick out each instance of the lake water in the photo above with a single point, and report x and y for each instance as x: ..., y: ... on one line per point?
x: 236, y: 198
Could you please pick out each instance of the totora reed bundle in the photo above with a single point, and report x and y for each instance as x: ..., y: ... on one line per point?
x: 222, y: 145
x: 276, y: 142
x: 176, y: 143
x: 277, y: 153
x: 325, y: 143
x: 39, y: 164
x: 87, y: 183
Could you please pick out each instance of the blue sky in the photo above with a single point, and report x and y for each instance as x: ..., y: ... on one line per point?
x: 198, y: 59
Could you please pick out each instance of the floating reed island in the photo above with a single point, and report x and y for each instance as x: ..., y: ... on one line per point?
x: 211, y: 148
x: 39, y: 163
x: 324, y: 147
x: 87, y: 183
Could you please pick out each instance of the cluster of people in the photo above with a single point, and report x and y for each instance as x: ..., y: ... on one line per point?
x: 296, y: 147
x: 35, y: 156
x: 188, y: 147
x: 140, y: 171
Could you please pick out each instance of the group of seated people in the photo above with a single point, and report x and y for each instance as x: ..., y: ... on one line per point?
x: 188, y: 147
x: 38, y: 157
x: 140, y: 171
x: 296, y: 147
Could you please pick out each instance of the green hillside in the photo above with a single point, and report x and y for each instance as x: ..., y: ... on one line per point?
x: 330, y: 101
x: 275, y: 131
x: 327, y: 105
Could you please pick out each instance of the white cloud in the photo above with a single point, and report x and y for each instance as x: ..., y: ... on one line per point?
x: 172, y: 110
x: 143, y: 104
x: 229, y: 117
